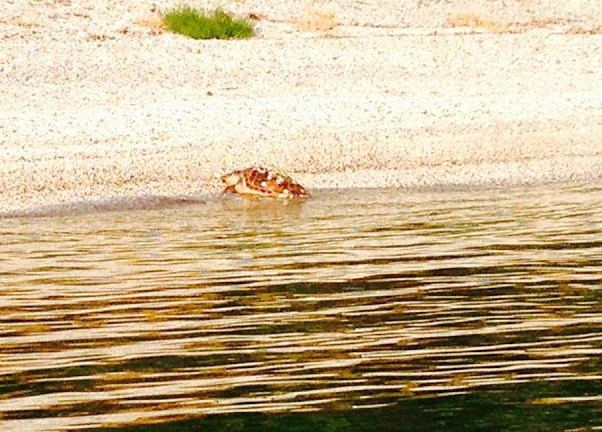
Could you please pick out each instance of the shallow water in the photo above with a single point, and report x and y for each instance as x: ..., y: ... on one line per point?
x: 356, y: 309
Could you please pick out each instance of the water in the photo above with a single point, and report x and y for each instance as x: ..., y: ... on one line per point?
x: 355, y: 310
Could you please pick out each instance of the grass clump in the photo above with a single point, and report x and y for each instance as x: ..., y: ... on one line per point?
x: 473, y: 21
x: 199, y: 25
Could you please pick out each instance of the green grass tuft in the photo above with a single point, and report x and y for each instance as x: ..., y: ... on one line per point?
x: 198, y: 25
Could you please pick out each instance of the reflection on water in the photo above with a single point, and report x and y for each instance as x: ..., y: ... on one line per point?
x: 352, y: 302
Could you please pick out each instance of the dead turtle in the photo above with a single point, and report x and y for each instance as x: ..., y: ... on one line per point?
x: 263, y: 182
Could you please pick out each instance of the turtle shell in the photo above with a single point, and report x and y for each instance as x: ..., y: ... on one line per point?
x: 263, y: 182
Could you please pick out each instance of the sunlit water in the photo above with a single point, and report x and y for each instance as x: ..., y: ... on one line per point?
x: 351, y: 303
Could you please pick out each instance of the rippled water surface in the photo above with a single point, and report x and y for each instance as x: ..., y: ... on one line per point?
x: 354, y: 310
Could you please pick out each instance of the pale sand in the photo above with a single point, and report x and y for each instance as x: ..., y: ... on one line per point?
x: 97, y: 102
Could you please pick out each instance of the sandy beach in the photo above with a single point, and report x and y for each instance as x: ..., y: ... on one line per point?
x: 98, y: 101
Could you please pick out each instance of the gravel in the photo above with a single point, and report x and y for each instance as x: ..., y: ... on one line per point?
x: 98, y: 102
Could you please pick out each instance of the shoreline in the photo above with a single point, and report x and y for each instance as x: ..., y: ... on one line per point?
x: 137, y: 113
x: 213, y: 200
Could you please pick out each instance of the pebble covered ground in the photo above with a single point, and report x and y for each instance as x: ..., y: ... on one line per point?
x: 99, y: 101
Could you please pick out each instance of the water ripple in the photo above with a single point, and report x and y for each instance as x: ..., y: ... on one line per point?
x: 353, y: 299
